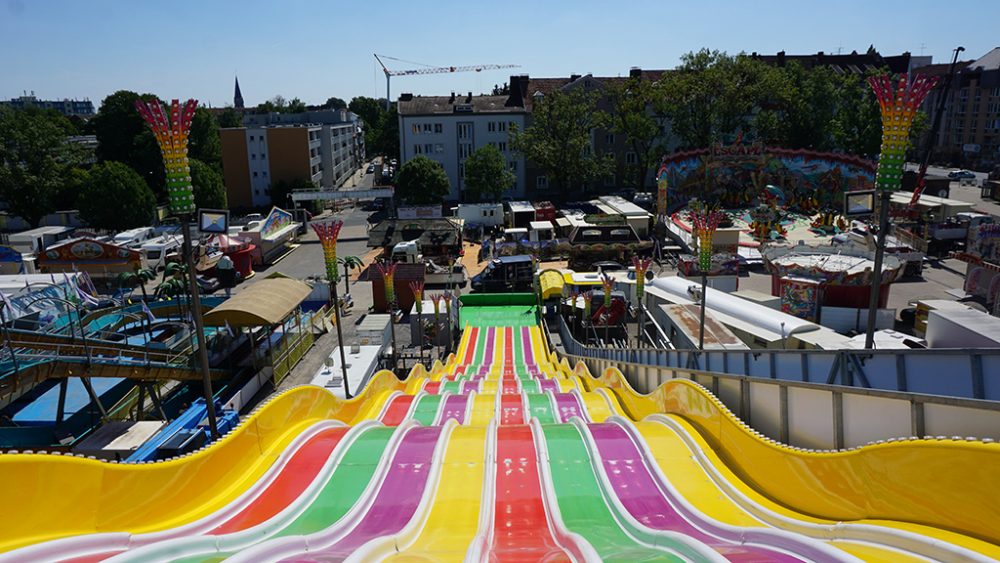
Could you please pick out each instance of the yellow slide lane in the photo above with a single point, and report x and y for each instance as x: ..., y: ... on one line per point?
x: 943, y: 484
x: 49, y: 497
x: 454, y: 519
x: 676, y: 460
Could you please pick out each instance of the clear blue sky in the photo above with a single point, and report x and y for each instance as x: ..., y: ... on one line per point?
x: 318, y: 49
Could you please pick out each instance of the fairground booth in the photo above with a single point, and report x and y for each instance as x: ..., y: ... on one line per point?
x: 273, y: 236
x: 102, y: 260
x: 239, y: 250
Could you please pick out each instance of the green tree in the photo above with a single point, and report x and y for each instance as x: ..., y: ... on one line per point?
x: 558, y: 140
x: 349, y: 263
x: 230, y: 118
x: 422, y: 180
x: 335, y: 103
x: 295, y: 106
x: 68, y: 193
x: 209, y: 191
x: 35, y: 163
x: 116, y: 198
x: 632, y: 115
x: 139, y: 278
x: 387, y: 138
x: 857, y: 125
x: 203, y: 141
x: 281, y: 189
x: 123, y: 136
x: 486, y: 175
x: 369, y: 109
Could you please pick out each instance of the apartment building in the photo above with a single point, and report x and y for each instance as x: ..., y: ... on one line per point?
x: 969, y: 135
x: 323, y: 147
x: 448, y: 129
x: 67, y: 107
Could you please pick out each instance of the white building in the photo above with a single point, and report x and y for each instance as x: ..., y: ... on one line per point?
x: 448, y: 129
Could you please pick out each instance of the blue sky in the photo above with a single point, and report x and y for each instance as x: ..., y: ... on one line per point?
x: 314, y: 49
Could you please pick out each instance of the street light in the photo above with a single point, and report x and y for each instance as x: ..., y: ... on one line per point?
x: 327, y: 233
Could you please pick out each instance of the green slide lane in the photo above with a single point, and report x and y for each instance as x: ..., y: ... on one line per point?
x: 480, y: 351
x: 509, y: 315
x: 540, y: 407
x: 581, y: 503
x: 453, y: 386
x: 519, y: 369
x: 427, y: 409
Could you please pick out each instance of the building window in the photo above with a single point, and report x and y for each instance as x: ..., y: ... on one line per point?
x: 491, y: 126
x: 501, y: 126
x: 464, y: 150
x: 253, y: 156
x: 416, y: 129
x: 465, y: 130
x: 262, y: 155
x: 264, y: 173
x: 542, y: 183
x: 427, y: 127
x: 254, y: 174
x: 439, y: 147
x: 502, y: 145
x: 251, y: 137
x: 609, y: 138
x: 461, y: 170
x: 513, y: 165
x: 630, y: 158
x: 428, y: 148
x: 416, y: 149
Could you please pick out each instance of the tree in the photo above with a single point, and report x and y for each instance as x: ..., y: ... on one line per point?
x: 295, y: 106
x: 367, y: 108
x: 230, y: 118
x: 203, y: 141
x: 387, y: 138
x: 335, y: 103
x: 139, y: 278
x: 209, y: 191
x: 632, y: 116
x: 857, y: 125
x: 116, y: 198
x: 123, y: 136
x: 486, y: 175
x: 422, y: 180
x: 35, y: 162
x: 558, y: 139
x: 281, y: 189
x: 349, y: 263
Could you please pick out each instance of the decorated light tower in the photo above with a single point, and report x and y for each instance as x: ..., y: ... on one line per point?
x: 607, y: 283
x: 388, y: 272
x: 704, y: 222
x: 641, y: 267
x: 171, y: 132
x: 328, y: 232
x: 417, y: 287
x: 588, y: 298
x: 899, y: 103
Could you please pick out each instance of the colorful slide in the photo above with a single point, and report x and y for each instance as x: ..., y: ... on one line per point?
x: 506, y: 453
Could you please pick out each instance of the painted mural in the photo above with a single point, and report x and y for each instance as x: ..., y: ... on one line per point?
x: 721, y: 175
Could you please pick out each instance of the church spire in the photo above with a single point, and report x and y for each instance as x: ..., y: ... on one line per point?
x: 238, y: 96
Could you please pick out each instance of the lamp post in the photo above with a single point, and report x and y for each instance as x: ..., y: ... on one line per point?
x: 641, y: 267
x: 327, y: 233
x: 388, y: 272
x: 607, y: 283
x: 898, y: 105
x: 588, y: 298
x: 171, y: 132
x: 704, y: 222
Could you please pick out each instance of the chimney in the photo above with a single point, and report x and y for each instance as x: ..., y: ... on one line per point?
x: 574, y: 77
x: 451, y: 100
x: 781, y: 58
x: 518, y: 91
x: 468, y: 99
x: 406, y: 97
x: 635, y: 72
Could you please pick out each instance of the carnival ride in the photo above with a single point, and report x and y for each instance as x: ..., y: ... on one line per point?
x: 506, y: 452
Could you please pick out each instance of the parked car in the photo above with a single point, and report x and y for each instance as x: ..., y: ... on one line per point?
x: 371, y: 169
x: 961, y: 175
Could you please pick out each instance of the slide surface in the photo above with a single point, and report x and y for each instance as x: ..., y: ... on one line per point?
x: 506, y: 453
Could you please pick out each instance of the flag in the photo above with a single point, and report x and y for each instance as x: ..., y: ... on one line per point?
x: 89, y: 283
x: 149, y: 314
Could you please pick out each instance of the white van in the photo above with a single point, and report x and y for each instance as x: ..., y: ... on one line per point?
x: 155, y: 251
x: 134, y: 238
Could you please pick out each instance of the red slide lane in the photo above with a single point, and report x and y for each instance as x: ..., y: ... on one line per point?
x: 520, y: 529
x: 508, y: 352
x: 511, y: 410
x: 397, y: 410
x: 296, y: 475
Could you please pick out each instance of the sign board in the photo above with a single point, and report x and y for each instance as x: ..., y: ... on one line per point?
x: 420, y: 212
x: 214, y: 221
x: 859, y: 203
x: 277, y: 220
x: 970, y: 147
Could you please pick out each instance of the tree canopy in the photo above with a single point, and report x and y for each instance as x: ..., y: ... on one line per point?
x: 422, y: 180
x: 282, y: 188
x: 116, y: 198
x: 335, y: 103
x: 36, y: 162
x: 486, y: 175
x: 209, y: 191
x: 204, y: 143
x: 123, y: 136
x: 558, y: 139
x: 230, y: 118
x: 632, y: 115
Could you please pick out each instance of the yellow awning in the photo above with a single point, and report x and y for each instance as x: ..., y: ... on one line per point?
x: 551, y: 282
x: 267, y: 302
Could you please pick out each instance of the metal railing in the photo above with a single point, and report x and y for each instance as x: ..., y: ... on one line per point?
x: 972, y: 373
x: 817, y: 415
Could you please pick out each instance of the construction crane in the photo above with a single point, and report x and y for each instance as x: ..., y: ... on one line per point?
x: 429, y: 70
